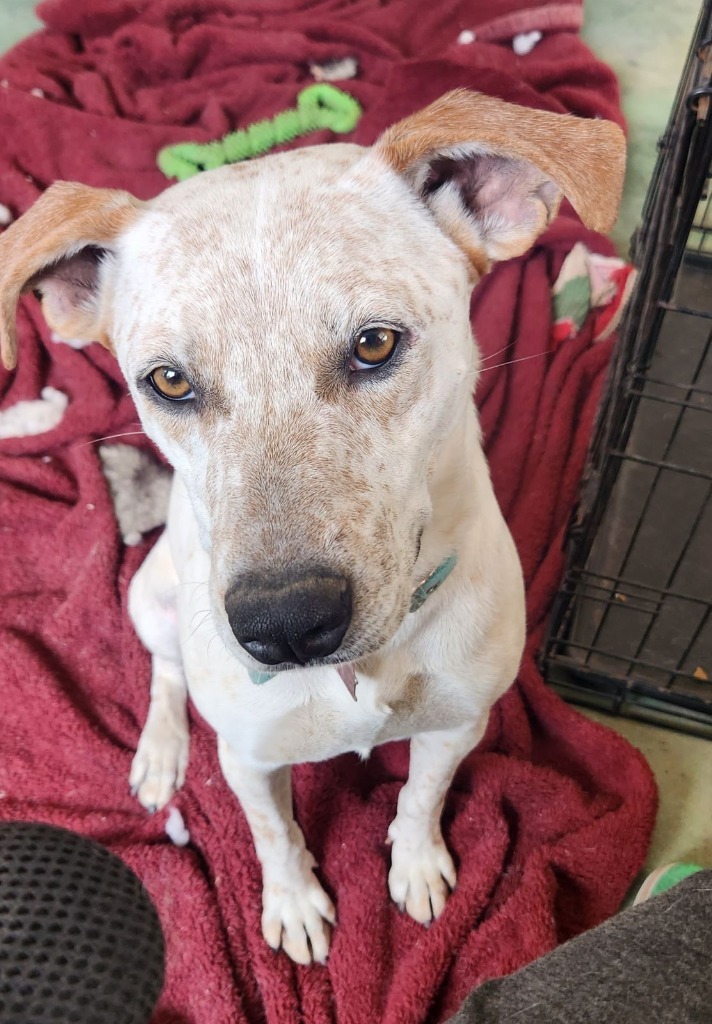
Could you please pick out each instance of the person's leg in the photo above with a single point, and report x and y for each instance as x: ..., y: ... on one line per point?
x: 647, y: 965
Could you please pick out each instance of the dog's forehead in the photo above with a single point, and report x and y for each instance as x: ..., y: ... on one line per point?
x: 308, y: 213
x: 247, y: 266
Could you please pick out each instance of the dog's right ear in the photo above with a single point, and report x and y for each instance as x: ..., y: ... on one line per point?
x: 494, y: 174
x: 56, y: 250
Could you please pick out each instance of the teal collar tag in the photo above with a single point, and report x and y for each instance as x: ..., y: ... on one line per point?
x: 258, y: 677
x: 420, y: 595
x: 431, y: 583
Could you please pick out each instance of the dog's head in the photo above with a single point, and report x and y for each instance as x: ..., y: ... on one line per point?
x: 295, y: 334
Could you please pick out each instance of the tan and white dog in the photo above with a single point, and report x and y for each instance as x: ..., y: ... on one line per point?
x: 295, y: 334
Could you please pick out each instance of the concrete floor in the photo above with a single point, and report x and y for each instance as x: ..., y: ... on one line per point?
x: 646, y: 45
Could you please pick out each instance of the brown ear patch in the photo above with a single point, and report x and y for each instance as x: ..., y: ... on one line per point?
x: 67, y: 219
x: 585, y: 158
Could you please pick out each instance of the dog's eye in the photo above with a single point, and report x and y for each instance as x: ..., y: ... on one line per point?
x: 171, y: 384
x: 374, y: 347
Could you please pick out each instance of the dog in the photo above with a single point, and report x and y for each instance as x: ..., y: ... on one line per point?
x: 335, y: 572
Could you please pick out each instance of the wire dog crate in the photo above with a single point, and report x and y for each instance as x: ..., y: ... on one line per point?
x: 631, y: 629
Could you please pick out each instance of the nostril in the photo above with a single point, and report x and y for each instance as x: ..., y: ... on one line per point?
x: 319, y: 642
x: 296, y: 618
x: 270, y: 653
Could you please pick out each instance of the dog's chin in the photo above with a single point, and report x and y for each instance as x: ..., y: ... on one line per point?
x: 344, y: 656
x: 349, y: 655
x: 355, y: 652
x: 356, y: 649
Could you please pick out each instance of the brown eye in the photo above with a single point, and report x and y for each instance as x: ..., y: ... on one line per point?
x: 374, y: 347
x: 171, y: 384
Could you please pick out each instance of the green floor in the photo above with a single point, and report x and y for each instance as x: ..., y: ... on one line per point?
x: 17, y: 20
x: 646, y: 44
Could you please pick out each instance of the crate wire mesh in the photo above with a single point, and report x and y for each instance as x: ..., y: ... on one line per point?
x: 631, y: 629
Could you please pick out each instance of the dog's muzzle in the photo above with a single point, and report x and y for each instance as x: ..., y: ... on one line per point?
x: 297, y: 618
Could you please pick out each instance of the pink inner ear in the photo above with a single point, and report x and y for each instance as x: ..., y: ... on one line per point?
x: 495, y: 188
x: 71, y: 284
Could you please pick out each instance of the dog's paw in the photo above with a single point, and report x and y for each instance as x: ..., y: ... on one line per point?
x: 421, y: 878
x: 159, y: 766
x: 297, y: 915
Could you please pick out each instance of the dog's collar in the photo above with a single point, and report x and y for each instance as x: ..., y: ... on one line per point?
x: 420, y: 595
x: 431, y: 583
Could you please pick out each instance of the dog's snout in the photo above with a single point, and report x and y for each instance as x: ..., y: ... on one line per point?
x: 298, y: 618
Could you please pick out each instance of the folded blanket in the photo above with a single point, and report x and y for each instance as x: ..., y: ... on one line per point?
x: 550, y: 818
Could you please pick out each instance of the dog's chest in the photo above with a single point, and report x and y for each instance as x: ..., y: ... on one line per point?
x: 307, y: 715
x: 301, y: 715
x: 316, y: 720
x: 304, y: 714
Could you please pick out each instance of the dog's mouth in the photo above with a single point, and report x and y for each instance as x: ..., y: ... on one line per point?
x: 347, y: 674
x: 344, y: 661
x: 344, y: 669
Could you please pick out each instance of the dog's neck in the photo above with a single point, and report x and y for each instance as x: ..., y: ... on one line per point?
x: 460, y: 493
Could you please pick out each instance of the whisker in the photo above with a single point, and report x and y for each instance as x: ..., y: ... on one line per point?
x: 202, y: 622
x: 486, y: 359
x: 109, y: 437
x: 195, y: 587
x: 201, y: 611
x: 511, y: 362
x: 213, y: 637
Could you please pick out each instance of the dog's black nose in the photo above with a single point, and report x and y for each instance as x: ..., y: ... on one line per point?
x: 299, y: 617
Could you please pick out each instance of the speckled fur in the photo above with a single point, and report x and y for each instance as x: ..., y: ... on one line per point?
x: 254, y: 280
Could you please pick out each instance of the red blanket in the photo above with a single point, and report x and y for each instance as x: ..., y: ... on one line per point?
x: 549, y: 820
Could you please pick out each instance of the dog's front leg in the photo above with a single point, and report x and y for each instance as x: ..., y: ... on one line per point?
x: 422, y: 872
x: 296, y: 912
x: 158, y: 769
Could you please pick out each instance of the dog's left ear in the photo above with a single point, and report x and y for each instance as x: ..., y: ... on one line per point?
x: 494, y: 174
x: 56, y: 250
